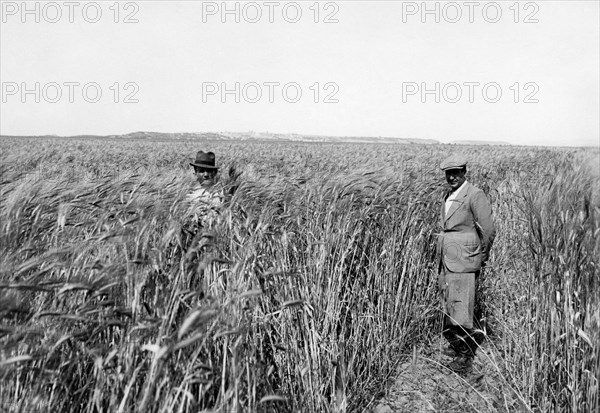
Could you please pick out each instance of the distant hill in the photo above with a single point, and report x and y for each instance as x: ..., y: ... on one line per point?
x: 247, y: 136
x: 168, y: 136
x: 321, y: 138
x: 267, y: 136
x: 468, y: 142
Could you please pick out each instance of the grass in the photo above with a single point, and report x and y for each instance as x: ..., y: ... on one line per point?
x: 317, y: 276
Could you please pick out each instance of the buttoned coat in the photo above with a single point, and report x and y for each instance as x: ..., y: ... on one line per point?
x: 467, y: 231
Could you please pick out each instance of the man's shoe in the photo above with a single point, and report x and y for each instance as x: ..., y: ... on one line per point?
x: 461, y: 364
x: 449, y: 351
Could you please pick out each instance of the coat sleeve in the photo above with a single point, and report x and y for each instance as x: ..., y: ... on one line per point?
x: 482, y: 212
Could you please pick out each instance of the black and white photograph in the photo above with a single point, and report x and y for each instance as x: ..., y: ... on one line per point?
x: 312, y: 206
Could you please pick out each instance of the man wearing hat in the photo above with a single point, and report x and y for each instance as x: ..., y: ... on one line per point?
x: 463, y: 250
x: 207, y: 197
x: 205, y: 169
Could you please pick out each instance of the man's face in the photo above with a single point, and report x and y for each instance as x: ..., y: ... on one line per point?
x: 205, y: 177
x: 455, y: 178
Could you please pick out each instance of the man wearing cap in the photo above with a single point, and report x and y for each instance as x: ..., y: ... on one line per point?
x: 207, y: 197
x: 463, y: 250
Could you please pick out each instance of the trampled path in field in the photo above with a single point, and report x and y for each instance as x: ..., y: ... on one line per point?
x: 423, y: 383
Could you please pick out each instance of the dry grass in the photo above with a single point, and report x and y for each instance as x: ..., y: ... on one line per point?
x: 317, y: 276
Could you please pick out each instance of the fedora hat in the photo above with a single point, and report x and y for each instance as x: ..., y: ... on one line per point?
x: 205, y: 160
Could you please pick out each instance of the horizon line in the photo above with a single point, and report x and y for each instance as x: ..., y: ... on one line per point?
x: 465, y: 142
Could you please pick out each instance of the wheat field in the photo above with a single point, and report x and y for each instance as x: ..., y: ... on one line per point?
x: 317, y: 276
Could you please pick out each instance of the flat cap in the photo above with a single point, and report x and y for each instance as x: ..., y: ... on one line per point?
x: 453, y: 162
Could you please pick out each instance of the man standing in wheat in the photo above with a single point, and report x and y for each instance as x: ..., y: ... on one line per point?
x: 203, y: 205
x: 463, y: 250
x: 207, y: 198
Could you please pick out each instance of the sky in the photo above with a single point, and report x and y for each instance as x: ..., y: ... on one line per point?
x: 521, y: 72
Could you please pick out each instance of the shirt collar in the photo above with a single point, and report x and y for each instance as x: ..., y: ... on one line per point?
x: 460, y: 188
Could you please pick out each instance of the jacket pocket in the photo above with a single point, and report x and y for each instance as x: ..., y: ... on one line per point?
x: 462, y: 256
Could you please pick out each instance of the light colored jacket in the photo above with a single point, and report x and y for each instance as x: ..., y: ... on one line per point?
x: 467, y: 231
x: 204, y: 205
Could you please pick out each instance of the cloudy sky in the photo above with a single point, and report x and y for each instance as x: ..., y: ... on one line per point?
x: 526, y: 73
